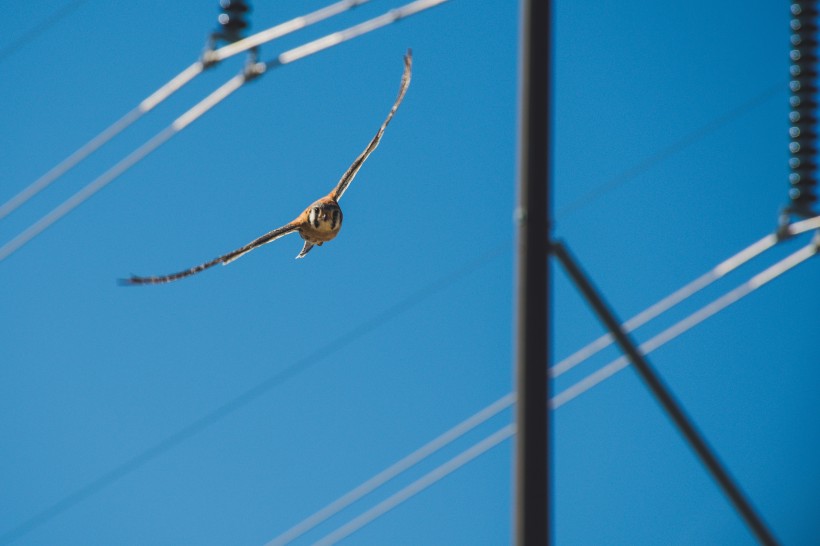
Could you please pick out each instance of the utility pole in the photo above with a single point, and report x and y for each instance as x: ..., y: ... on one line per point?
x: 532, y: 467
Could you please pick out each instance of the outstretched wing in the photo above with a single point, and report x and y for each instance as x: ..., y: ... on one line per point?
x: 224, y: 259
x: 348, y: 177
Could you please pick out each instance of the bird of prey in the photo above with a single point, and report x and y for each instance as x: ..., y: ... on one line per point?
x: 317, y: 224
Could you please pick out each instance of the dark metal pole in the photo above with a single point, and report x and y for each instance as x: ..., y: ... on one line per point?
x: 664, y: 396
x: 532, y: 470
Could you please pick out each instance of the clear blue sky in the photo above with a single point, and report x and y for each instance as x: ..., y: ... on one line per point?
x: 227, y: 407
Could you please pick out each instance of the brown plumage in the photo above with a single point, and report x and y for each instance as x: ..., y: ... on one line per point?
x: 317, y: 224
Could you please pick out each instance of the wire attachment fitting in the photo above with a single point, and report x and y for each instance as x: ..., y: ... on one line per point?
x: 232, y: 22
x: 253, y: 69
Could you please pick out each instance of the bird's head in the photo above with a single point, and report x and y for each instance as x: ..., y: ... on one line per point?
x: 323, y: 220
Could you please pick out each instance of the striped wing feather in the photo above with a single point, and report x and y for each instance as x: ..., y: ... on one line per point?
x: 350, y: 174
x: 225, y: 259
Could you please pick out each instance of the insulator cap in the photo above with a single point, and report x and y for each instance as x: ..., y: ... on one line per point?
x: 802, y: 198
x: 803, y: 86
x: 802, y: 178
x: 803, y: 70
x: 802, y: 119
x: 232, y: 22
x: 803, y: 40
x: 805, y: 10
x: 802, y: 148
x: 802, y: 165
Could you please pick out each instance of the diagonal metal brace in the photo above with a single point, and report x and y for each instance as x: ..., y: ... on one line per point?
x: 663, y: 395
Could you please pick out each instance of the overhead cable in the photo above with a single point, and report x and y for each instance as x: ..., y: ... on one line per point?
x: 683, y: 293
x: 688, y: 323
x: 336, y: 38
x: 569, y: 394
x: 229, y: 407
x: 419, y: 485
x: 394, y: 470
x: 161, y: 94
x: 663, y: 394
x: 265, y: 36
x: 206, y: 104
x: 591, y: 380
x: 123, y: 165
x: 40, y: 28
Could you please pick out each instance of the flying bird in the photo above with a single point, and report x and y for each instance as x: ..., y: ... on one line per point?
x: 317, y: 224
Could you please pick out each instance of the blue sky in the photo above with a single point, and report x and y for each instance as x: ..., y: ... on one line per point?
x: 225, y: 408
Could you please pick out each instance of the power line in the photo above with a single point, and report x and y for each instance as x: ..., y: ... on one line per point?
x: 664, y: 395
x: 591, y: 380
x: 685, y: 292
x: 297, y: 23
x: 559, y: 400
x: 206, y: 104
x: 666, y: 303
x: 700, y: 283
x: 95, y: 143
x: 123, y: 165
x: 508, y: 395
x: 596, y: 378
x: 486, y: 413
x: 336, y: 38
x: 688, y: 323
x: 161, y: 94
x: 40, y: 28
x: 394, y: 470
x: 419, y: 485
x: 192, y: 429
